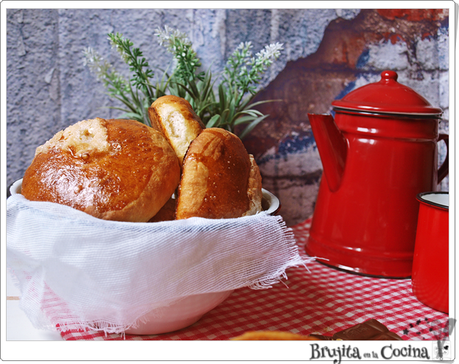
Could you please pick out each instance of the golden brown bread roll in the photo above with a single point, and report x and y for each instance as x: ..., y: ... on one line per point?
x: 219, y: 178
x: 273, y: 335
x: 176, y: 119
x: 111, y: 169
x: 167, y: 212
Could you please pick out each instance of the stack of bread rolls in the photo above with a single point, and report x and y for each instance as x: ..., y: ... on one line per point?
x: 126, y: 171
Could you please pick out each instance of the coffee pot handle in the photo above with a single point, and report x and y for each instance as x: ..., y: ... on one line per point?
x: 443, y: 170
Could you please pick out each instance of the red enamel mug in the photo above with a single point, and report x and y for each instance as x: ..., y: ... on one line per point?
x: 430, y: 263
x: 378, y: 153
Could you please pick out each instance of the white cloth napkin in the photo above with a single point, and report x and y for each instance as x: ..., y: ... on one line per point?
x: 74, y: 270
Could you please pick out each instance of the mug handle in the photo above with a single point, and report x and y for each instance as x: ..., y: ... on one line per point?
x: 443, y: 170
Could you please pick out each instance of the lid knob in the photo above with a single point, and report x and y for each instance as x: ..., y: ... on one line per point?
x: 387, y: 96
x: 389, y: 75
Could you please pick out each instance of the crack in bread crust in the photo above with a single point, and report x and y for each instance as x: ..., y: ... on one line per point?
x: 123, y: 171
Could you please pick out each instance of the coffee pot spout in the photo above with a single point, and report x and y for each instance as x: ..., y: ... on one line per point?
x: 332, y: 146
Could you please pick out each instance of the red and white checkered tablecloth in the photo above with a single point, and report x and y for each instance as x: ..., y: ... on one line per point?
x: 322, y: 300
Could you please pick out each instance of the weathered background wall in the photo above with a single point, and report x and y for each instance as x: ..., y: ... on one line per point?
x: 327, y: 53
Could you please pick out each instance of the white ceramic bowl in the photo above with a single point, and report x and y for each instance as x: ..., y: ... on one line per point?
x: 190, y: 309
x: 178, y: 315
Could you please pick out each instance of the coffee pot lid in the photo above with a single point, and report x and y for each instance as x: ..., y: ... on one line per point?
x: 387, y: 96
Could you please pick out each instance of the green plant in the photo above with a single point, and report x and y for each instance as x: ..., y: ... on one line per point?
x: 117, y: 86
x: 237, y: 90
x: 225, y: 101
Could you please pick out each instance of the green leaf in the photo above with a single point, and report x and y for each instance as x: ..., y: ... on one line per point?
x: 253, y: 113
x: 222, y: 95
x: 251, y: 126
x: 195, y: 92
x: 213, y: 121
x: 244, y: 119
x: 264, y: 102
x: 131, y: 115
x: 224, y: 116
x: 128, y: 104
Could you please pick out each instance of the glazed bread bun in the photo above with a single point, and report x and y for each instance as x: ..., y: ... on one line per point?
x: 111, y: 169
x: 167, y: 212
x: 273, y: 335
x: 176, y: 119
x: 219, y: 178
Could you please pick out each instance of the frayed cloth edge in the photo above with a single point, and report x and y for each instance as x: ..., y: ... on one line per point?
x: 278, y: 276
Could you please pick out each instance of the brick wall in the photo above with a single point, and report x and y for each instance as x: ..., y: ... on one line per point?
x: 327, y: 53
x: 353, y: 52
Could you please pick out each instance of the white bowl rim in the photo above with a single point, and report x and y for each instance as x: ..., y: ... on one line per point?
x: 15, y: 188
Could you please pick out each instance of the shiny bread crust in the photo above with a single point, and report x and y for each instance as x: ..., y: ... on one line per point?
x: 176, y: 119
x: 219, y: 178
x: 254, y: 189
x: 272, y: 335
x: 111, y: 169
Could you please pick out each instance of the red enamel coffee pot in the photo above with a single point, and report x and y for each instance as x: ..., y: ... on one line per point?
x: 378, y: 154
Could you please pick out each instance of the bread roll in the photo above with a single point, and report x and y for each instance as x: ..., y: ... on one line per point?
x: 219, y: 178
x: 167, y: 212
x: 273, y: 335
x: 111, y: 169
x: 176, y: 119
